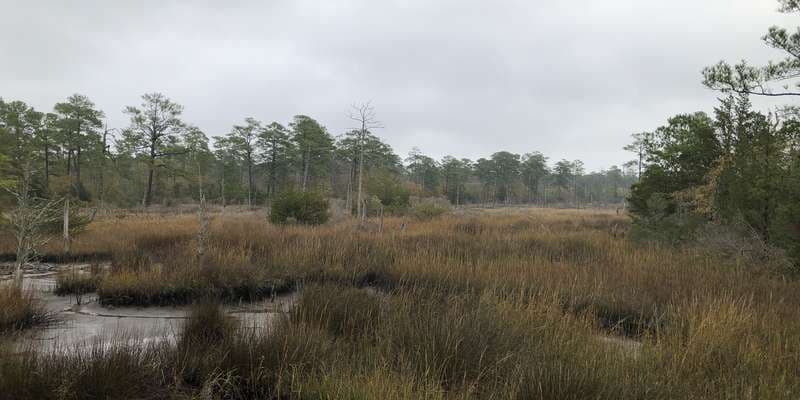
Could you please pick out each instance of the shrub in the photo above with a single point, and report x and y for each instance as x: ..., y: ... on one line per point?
x: 389, y: 191
x: 662, y: 221
x: 373, y: 205
x: 309, y: 208
x: 426, y: 211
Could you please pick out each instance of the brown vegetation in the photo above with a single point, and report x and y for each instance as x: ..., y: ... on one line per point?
x: 508, y: 304
x: 19, y: 310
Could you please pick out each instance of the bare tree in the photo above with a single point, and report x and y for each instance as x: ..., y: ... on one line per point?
x: 67, y: 239
x: 31, y: 221
x: 365, y: 116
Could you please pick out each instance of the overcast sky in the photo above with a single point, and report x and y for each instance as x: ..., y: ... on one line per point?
x: 572, y: 79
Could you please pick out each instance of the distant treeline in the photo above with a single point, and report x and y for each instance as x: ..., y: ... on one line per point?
x: 161, y: 159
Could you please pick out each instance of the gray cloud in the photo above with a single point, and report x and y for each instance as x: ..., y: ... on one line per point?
x: 467, y: 78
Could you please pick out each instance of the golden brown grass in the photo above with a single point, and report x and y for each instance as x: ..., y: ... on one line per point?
x: 485, y: 304
x: 20, y: 309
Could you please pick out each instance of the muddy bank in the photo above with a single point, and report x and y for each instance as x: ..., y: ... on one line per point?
x: 61, y: 258
x: 90, y: 323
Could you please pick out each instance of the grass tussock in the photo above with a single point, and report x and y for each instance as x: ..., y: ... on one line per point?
x: 207, y: 325
x: 347, y: 312
x: 76, y: 283
x: 161, y: 287
x: 19, y: 309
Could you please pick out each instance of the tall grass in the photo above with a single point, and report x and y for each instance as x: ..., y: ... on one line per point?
x: 424, y: 343
x: 77, y: 283
x: 20, y: 309
x: 497, y: 304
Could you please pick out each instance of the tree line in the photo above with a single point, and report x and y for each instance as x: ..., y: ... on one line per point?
x: 738, y: 167
x: 159, y: 158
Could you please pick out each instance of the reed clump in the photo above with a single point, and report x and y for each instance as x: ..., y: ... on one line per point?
x: 19, y: 309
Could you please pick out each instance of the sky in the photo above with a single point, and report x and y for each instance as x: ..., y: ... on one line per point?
x: 571, y: 79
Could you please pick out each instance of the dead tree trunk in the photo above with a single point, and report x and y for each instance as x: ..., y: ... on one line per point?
x: 28, y: 221
x: 66, y: 227
x: 365, y: 115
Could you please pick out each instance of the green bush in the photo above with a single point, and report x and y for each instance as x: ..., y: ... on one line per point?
x: 662, y: 221
x: 389, y: 192
x: 300, y: 207
x: 426, y: 211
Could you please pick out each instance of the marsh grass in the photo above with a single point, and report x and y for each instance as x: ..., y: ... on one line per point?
x: 489, y: 304
x: 159, y: 287
x: 77, y: 283
x: 207, y: 325
x: 19, y: 309
x: 120, y: 368
x: 423, y: 343
x: 340, y: 311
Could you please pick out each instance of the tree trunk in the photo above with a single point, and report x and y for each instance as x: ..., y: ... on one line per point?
x: 101, y: 183
x: 76, y: 161
x: 69, y: 164
x: 66, y: 227
x: 222, y: 187
x: 21, y: 254
x: 639, y: 175
x: 202, y: 233
x: 18, y: 277
x: 151, y: 166
x: 361, y: 212
x: 46, y: 165
x: 249, y: 182
x: 78, y: 168
x: 305, y: 166
x: 149, y: 190
x: 272, y: 172
x: 545, y: 196
x: 380, y: 227
x: 348, y: 201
